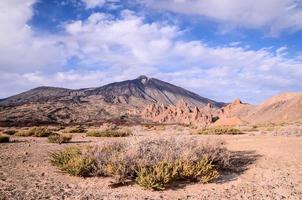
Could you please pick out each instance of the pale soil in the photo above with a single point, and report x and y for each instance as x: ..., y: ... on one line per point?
x: 273, y: 171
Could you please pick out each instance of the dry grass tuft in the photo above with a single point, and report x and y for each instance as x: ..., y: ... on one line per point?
x: 10, y: 132
x: 78, y: 129
x: 57, y: 138
x: 108, y: 133
x: 218, y: 131
x: 35, y: 131
x: 72, y: 161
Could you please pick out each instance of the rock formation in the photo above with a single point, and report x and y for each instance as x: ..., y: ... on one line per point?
x: 181, y: 113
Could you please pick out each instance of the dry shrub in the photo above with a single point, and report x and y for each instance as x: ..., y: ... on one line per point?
x: 72, y: 161
x: 155, y: 127
x: 253, y: 128
x: 78, y: 129
x: 10, y: 132
x: 153, y: 163
x: 108, y: 133
x: 36, y: 132
x: 4, y: 139
x: 57, y: 138
x: 219, y: 131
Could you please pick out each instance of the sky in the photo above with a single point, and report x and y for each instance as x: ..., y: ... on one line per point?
x: 219, y: 49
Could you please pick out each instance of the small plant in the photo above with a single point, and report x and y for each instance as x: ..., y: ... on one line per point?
x: 202, y: 170
x: 36, y: 132
x: 78, y: 129
x: 72, y: 161
x: 157, y: 177
x: 57, y: 138
x: 10, y: 132
x: 4, y: 139
x: 108, y: 133
x: 24, y: 133
x: 219, y: 131
x: 160, y: 176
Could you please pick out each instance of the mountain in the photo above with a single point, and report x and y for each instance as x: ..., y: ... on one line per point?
x: 285, y: 107
x: 135, y: 92
x: 59, y: 105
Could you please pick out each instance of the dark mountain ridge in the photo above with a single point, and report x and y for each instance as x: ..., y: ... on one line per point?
x: 52, y: 105
x: 142, y: 88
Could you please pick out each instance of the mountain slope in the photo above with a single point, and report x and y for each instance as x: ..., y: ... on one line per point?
x: 59, y: 105
x: 135, y: 92
x: 285, y: 107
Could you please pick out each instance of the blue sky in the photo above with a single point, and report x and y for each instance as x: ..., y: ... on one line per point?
x: 222, y: 50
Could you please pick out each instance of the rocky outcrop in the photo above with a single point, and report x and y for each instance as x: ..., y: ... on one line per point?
x: 181, y: 113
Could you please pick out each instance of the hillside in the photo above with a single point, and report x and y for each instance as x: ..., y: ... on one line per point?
x: 285, y: 107
x: 59, y: 105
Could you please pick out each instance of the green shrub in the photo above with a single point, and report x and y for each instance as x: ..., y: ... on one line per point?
x: 160, y: 176
x: 57, y: 138
x: 36, y: 132
x: 157, y: 177
x: 4, y: 139
x: 72, y: 161
x: 108, y: 133
x: 10, y: 132
x: 219, y: 131
x: 202, y: 170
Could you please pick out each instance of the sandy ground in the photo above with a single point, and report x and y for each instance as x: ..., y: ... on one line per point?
x: 270, y: 168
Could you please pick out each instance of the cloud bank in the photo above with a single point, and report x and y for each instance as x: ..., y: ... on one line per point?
x: 272, y: 15
x: 104, y: 48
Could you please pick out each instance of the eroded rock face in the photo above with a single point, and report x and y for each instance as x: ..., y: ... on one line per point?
x: 180, y: 113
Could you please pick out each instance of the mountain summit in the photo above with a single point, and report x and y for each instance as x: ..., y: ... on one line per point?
x: 52, y: 105
x: 137, y: 92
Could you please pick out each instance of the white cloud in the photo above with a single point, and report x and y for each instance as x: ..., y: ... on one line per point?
x: 94, y: 3
x: 274, y: 15
x: 127, y: 41
x: 111, y: 4
x: 20, y: 48
x: 107, y: 49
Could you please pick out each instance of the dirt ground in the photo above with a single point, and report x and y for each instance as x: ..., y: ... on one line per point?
x: 270, y: 168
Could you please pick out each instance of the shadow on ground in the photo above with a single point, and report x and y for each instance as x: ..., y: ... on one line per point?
x: 240, y: 161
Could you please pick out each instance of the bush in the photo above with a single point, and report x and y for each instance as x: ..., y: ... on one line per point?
x: 78, y: 129
x: 219, y: 131
x: 4, y: 139
x: 161, y: 175
x: 36, y: 132
x: 157, y: 177
x: 57, y: 138
x: 108, y: 133
x: 152, y: 163
x: 72, y: 161
x: 10, y: 132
